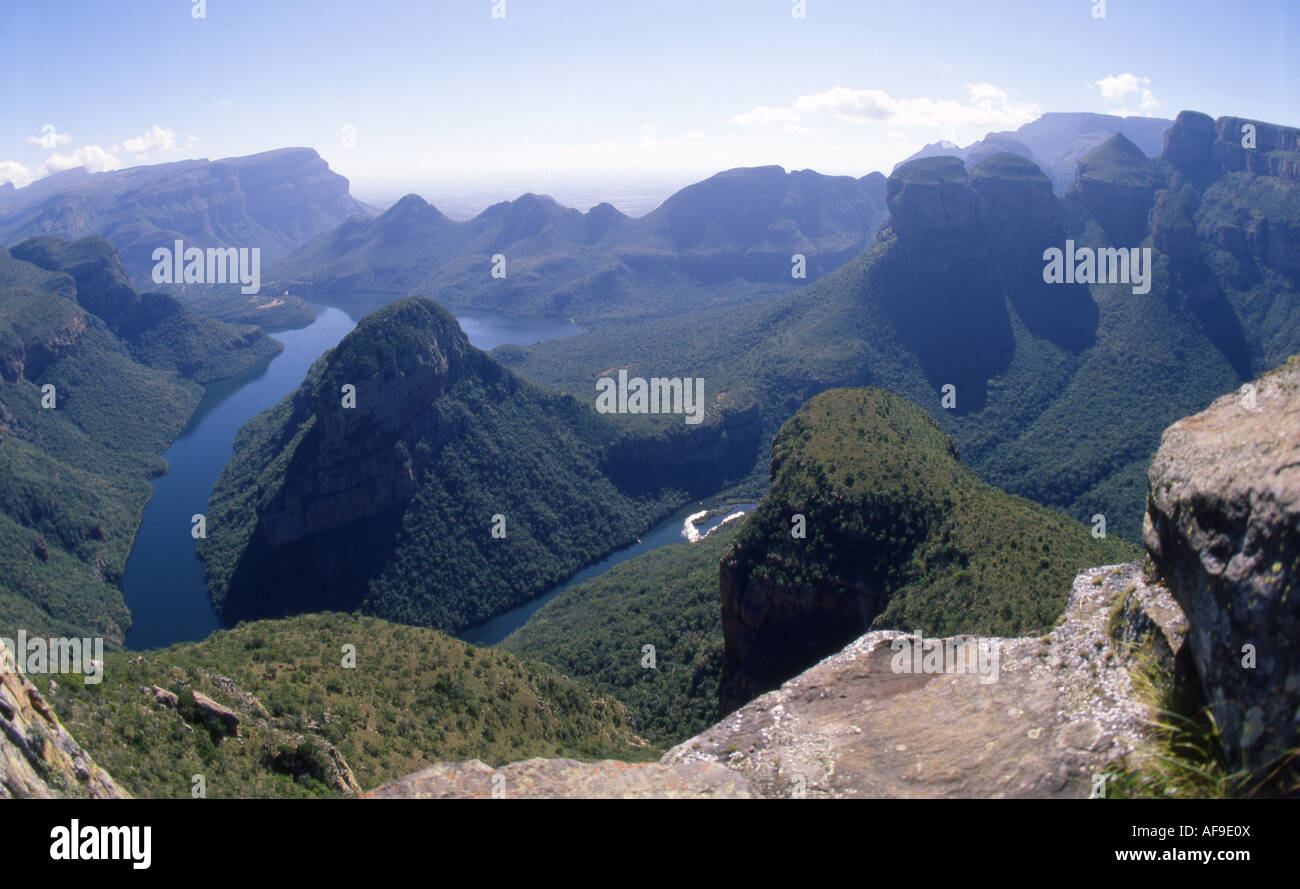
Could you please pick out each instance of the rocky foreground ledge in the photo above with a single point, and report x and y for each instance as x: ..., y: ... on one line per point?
x: 38, y: 758
x: 1060, y: 709
x: 1223, y: 525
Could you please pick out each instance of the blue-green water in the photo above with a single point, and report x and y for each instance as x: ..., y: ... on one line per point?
x: 163, y: 583
x: 667, y: 532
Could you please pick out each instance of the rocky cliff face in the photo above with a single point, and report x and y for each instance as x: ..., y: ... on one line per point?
x: 1189, y: 146
x: 1059, y: 710
x: 1204, y: 149
x: 933, y: 209
x: 1251, y: 198
x: 871, y: 520
x: 1116, y: 184
x: 26, y: 356
x: 568, y: 779
x: 356, y: 463
x: 1057, y: 714
x: 1223, y: 526
x: 38, y: 758
x: 942, y: 292
x: 1276, y: 151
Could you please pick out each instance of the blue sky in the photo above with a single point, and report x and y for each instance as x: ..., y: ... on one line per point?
x: 442, y: 94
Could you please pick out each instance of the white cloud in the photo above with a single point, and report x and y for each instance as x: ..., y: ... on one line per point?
x: 987, y: 106
x: 795, y: 129
x: 157, y: 139
x: 764, y: 114
x: 92, y: 157
x: 11, y: 171
x: 50, y: 137
x: 1125, y: 88
x: 693, y: 136
x: 649, y: 137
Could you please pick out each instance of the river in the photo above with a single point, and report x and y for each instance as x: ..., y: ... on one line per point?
x: 667, y: 532
x: 163, y: 583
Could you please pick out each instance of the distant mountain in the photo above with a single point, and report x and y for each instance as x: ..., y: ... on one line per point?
x: 1061, y: 390
x: 1056, y: 142
x: 76, y: 459
x: 391, y: 507
x: 277, y: 200
x: 726, y: 240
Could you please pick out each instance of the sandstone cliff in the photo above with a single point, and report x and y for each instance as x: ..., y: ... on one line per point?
x: 1223, y: 525
x: 38, y: 758
x: 896, y: 532
x: 1061, y: 711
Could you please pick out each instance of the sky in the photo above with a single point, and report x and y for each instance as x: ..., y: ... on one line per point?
x: 601, y: 99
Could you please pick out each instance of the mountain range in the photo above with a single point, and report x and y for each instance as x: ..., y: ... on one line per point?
x: 1060, y: 390
x: 947, y: 438
x: 726, y: 240
x: 1056, y: 142
x: 276, y: 201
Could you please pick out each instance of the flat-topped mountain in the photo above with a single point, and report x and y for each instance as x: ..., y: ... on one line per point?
x: 276, y: 200
x: 415, y: 478
x: 1059, y: 390
x: 1057, y: 141
x: 728, y: 239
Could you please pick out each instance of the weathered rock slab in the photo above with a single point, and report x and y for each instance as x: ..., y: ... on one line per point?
x: 567, y: 779
x: 1061, y: 709
x: 38, y: 758
x: 1223, y: 526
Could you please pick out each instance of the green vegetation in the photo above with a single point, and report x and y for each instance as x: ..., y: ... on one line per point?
x: 1184, y: 756
x: 402, y: 490
x: 415, y: 697
x: 1069, y: 423
x: 159, y: 331
x: 1118, y: 161
x: 726, y: 240
x: 891, y: 513
x: 74, y: 479
x: 281, y: 311
x: 667, y: 598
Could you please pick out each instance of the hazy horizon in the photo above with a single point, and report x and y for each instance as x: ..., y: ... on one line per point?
x: 579, y: 96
